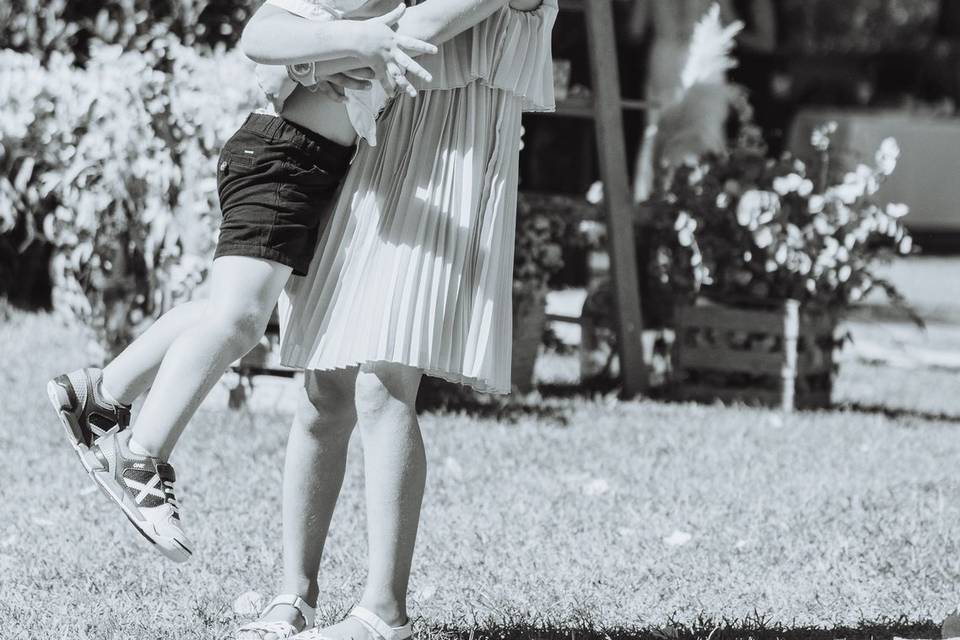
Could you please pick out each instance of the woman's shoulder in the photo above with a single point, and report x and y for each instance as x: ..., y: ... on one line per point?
x: 509, y: 50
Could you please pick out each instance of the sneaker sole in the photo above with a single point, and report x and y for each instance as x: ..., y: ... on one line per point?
x: 64, y: 408
x: 169, y: 547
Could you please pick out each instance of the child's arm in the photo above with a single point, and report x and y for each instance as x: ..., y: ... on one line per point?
x: 352, y: 43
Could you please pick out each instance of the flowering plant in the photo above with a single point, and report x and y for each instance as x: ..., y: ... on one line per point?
x: 744, y: 228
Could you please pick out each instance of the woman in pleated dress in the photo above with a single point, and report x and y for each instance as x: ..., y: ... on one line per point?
x: 412, y: 276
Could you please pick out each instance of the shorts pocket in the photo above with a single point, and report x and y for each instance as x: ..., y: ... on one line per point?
x: 237, y: 160
x: 308, y: 176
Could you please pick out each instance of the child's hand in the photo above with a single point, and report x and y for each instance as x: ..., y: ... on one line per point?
x: 385, y: 51
x: 333, y: 86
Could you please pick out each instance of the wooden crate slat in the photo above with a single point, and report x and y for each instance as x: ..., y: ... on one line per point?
x: 811, y: 363
x: 794, y: 365
x: 727, y: 318
x: 763, y: 397
x: 707, y: 393
x: 813, y: 400
x: 818, y: 324
x: 730, y: 360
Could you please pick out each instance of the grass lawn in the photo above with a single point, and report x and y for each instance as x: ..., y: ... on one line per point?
x: 597, y: 517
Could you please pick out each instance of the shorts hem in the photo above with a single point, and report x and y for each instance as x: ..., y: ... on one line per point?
x: 245, y: 250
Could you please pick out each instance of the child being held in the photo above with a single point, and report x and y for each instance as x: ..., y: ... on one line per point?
x: 363, y: 105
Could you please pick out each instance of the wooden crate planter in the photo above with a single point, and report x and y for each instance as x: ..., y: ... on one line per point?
x: 780, y: 355
x: 529, y: 321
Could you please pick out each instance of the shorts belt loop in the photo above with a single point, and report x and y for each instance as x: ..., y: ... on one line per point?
x: 274, y: 126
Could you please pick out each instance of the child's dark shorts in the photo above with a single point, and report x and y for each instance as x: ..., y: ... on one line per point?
x: 276, y: 182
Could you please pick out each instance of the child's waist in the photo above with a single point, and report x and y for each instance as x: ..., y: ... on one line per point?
x: 320, y: 114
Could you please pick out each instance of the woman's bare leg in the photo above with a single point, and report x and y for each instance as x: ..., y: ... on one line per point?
x: 312, y: 477
x: 395, y: 471
x: 313, y: 474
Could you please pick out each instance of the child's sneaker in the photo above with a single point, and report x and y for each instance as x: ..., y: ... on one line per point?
x: 143, y: 487
x: 86, y: 415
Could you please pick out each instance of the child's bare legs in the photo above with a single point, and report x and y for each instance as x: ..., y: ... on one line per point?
x: 243, y: 293
x: 132, y: 372
x: 312, y: 477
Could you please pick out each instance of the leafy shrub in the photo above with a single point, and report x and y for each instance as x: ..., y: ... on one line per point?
x: 44, y: 27
x: 116, y: 163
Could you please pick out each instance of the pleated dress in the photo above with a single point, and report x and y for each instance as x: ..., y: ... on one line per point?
x: 415, y: 266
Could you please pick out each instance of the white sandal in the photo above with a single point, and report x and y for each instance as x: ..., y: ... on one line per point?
x: 378, y: 629
x: 258, y: 629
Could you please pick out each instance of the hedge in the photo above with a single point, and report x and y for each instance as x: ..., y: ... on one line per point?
x: 46, y: 27
x: 114, y: 165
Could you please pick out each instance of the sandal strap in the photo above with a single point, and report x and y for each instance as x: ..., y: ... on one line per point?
x: 379, y: 627
x: 261, y: 628
x: 307, y: 612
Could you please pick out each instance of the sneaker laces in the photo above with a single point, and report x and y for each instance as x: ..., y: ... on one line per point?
x: 167, y: 478
x: 122, y: 412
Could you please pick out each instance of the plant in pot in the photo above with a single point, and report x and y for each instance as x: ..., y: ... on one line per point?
x: 762, y: 258
x: 538, y: 256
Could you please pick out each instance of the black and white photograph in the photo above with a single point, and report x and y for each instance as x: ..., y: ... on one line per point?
x: 480, y: 320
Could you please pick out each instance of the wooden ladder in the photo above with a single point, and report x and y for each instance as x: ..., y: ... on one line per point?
x: 605, y: 107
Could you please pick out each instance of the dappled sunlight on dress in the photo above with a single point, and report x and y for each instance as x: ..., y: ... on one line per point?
x: 416, y: 264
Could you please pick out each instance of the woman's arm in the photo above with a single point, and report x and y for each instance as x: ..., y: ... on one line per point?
x: 437, y: 21
x: 434, y: 21
x: 303, y: 40
x: 366, y: 42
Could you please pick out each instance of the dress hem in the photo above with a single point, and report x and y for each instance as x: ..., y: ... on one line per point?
x: 479, y: 385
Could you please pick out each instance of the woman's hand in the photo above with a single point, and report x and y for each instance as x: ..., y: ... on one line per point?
x: 378, y: 46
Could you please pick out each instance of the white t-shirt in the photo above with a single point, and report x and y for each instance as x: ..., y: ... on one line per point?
x: 363, y: 106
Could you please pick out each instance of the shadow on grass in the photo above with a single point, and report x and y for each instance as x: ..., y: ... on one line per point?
x: 443, y: 397
x: 437, y: 396
x: 895, y: 413
x: 757, y: 629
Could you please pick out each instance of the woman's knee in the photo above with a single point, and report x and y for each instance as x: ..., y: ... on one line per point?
x: 386, y: 387
x: 327, y: 405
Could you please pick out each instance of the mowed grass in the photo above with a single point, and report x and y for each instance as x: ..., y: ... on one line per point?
x: 584, y: 518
